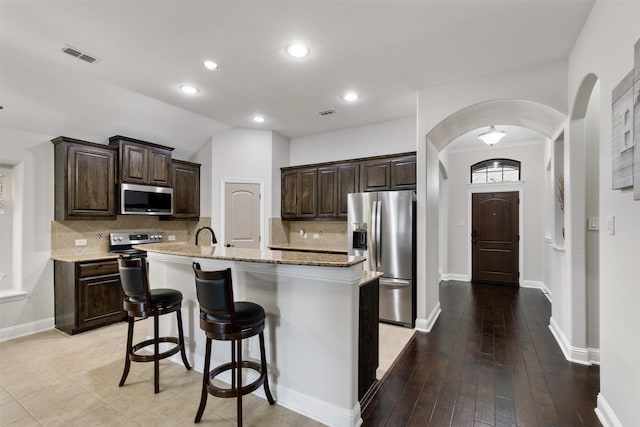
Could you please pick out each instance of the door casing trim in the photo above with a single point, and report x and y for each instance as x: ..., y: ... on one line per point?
x: 491, y: 188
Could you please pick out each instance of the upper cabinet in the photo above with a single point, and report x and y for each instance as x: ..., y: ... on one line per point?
x: 143, y: 162
x: 185, y: 180
x: 85, y: 180
x: 321, y: 191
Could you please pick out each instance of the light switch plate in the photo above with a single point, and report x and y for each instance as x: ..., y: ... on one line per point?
x: 81, y: 242
x: 611, y: 225
x: 171, y: 238
x: 593, y: 223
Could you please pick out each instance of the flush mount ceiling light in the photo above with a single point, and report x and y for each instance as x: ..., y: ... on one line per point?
x: 188, y: 89
x: 491, y: 136
x: 351, y: 96
x: 259, y: 118
x: 297, y: 50
x: 210, y: 65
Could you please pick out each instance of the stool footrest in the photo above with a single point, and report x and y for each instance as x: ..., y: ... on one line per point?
x: 245, y: 389
x: 151, y: 357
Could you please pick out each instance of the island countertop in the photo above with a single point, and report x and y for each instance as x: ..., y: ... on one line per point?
x: 253, y: 255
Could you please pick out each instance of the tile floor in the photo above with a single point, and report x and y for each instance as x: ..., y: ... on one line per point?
x: 52, y: 379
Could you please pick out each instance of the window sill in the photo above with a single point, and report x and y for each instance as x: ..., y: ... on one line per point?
x: 9, y: 295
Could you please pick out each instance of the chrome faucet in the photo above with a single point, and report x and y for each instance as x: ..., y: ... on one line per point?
x: 213, y: 235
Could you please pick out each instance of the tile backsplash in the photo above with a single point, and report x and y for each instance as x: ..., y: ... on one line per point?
x: 65, y: 233
x: 323, y: 234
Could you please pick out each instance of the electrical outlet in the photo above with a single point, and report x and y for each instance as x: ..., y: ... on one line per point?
x: 316, y: 236
x: 81, y: 242
x: 171, y: 238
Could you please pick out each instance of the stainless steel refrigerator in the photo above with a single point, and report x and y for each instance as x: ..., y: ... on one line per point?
x: 381, y: 227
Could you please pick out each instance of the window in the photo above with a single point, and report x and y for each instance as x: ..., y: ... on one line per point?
x: 495, y: 170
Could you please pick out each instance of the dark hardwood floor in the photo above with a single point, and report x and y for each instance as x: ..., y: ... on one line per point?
x: 490, y: 360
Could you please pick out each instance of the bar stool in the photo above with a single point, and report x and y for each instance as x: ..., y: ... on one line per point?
x: 223, y: 319
x: 141, y: 302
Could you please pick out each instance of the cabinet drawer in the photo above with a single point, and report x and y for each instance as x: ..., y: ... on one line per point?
x: 98, y: 268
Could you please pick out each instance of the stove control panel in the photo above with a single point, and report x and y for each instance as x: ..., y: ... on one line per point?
x: 135, y: 238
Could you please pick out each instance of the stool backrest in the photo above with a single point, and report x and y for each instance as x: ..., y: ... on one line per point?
x: 214, y: 290
x: 134, y: 278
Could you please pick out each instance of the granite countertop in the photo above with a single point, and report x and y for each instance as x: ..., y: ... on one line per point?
x: 321, y: 249
x: 368, y: 276
x: 254, y: 255
x: 83, y: 257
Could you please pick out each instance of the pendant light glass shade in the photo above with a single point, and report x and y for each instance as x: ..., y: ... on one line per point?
x: 492, y: 136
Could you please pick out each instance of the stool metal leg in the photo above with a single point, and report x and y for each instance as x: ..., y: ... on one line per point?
x: 263, y: 363
x: 156, y: 351
x: 205, y: 381
x: 239, y: 383
x: 181, y: 343
x: 127, y: 359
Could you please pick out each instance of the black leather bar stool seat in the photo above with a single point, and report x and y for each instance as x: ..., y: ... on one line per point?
x: 142, y: 302
x: 221, y: 318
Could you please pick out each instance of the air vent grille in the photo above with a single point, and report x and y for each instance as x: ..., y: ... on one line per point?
x: 326, y: 112
x: 77, y: 53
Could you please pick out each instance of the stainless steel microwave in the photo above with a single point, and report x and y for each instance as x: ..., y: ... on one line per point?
x: 145, y: 200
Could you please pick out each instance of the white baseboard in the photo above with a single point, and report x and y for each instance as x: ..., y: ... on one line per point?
x: 26, y: 329
x: 425, y: 325
x: 605, y: 414
x: 573, y: 354
x: 537, y: 285
x: 453, y: 276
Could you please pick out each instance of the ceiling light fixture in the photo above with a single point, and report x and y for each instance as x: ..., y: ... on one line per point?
x: 491, y: 136
x: 351, y: 96
x: 297, y: 50
x: 189, y: 90
x: 210, y: 65
x: 259, y: 119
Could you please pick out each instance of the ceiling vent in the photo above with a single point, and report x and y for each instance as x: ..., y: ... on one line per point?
x: 326, y: 112
x: 77, y: 53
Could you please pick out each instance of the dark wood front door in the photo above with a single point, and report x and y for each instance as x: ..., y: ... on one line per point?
x: 495, y: 237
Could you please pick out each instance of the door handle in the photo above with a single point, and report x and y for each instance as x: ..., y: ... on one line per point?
x: 228, y: 245
x: 474, y: 236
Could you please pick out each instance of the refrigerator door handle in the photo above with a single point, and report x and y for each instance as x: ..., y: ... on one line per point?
x: 374, y: 236
x: 379, y: 237
x: 394, y: 283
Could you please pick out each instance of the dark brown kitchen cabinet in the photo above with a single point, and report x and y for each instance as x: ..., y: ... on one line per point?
x: 327, y: 192
x: 368, y: 337
x: 87, y: 295
x: 185, y: 179
x: 143, y: 162
x: 289, y: 189
x: 396, y: 173
x: 348, y: 182
x: 307, y: 198
x: 84, y: 180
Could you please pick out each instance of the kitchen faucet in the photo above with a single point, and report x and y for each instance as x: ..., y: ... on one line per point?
x: 213, y: 235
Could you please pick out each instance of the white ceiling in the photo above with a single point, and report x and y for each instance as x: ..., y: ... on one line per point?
x: 385, y: 50
x: 514, y: 136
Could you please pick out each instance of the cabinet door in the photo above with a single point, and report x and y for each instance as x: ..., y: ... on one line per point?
x: 134, y: 163
x: 327, y: 192
x: 186, y: 190
x: 90, y: 183
x: 100, y: 300
x: 348, y: 182
x: 376, y: 175
x: 159, y: 167
x: 307, y: 193
x: 289, y: 191
x: 403, y: 173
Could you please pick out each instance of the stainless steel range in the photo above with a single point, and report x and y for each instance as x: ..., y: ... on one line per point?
x: 122, y: 242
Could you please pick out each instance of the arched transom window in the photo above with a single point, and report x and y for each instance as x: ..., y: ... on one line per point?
x: 495, y: 170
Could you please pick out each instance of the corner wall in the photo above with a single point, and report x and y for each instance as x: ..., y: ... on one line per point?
x: 605, y: 48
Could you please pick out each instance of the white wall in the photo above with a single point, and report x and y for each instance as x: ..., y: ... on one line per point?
x: 531, y: 156
x: 33, y: 270
x: 204, y: 156
x: 280, y: 152
x: 393, y: 136
x: 605, y: 48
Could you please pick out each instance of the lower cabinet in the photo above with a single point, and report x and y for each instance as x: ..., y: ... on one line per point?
x: 88, y: 295
x: 368, y: 347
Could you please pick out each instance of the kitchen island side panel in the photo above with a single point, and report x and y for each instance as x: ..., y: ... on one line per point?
x: 311, y: 331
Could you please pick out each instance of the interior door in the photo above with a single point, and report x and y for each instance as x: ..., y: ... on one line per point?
x: 495, y: 237
x: 242, y: 215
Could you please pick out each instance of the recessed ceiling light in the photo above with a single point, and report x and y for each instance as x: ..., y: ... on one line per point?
x: 350, y: 96
x: 189, y: 90
x: 259, y: 118
x: 210, y: 65
x: 297, y: 50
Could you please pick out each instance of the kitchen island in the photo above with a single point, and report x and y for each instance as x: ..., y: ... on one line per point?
x: 312, y: 303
